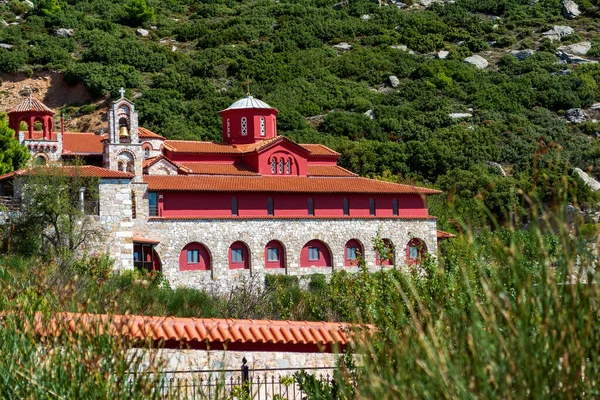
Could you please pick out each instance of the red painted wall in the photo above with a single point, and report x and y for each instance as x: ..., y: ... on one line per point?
x: 275, y: 264
x: 216, y: 205
x: 203, y: 264
x: 253, y: 122
x: 245, y: 264
x: 356, y: 244
x: 324, y: 255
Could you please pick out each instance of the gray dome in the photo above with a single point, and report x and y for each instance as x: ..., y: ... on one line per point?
x: 248, y: 102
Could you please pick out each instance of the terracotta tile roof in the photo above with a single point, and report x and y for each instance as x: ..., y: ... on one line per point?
x: 83, y: 143
x: 198, y: 330
x: 144, y: 133
x: 445, y: 235
x: 292, y: 184
x: 325, y: 170
x: 30, y: 104
x: 319, y: 150
x: 87, y: 171
x: 218, y: 169
x: 197, y: 147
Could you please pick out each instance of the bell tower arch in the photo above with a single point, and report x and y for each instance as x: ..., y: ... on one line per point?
x: 122, y: 148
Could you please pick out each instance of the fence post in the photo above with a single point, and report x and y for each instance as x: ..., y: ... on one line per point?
x: 245, y: 377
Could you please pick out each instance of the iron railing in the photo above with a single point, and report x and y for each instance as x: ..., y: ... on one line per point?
x: 255, y: 384
x: 153, y: 210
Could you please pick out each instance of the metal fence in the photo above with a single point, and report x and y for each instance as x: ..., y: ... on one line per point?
x: 244, y: 383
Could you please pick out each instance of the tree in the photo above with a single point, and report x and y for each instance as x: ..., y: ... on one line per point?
x: 53, y: 221
x: 12, y: 154
x: 139, y: 12
x: 49, y: 7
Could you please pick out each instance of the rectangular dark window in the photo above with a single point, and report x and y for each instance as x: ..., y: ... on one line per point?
x: 153, y: 203
x: 346, y: 207
x: 371, y: 206
x: 395, y: 206
x: 237, y: 256
x: 192, y: 256
x: 270, y: 207
x: 313, y: 254
x: 273, y: 254
x: 311, y: 206
x: 234, y: 207
x: 351, y: 253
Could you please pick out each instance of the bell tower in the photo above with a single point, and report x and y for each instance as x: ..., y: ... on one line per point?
x: 122, y: 148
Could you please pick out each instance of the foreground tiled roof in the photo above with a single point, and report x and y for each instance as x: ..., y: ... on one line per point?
x: 291, y: 184
x: 144, y: 133
x: 83, y: 143
x: 30, y: 104
x: 326, y: 170
x: 217, y: 169
x: 445, y: 235
x: 189, y: 330
x: 87, y: 171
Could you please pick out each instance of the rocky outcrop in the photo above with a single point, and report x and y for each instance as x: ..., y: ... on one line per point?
x: 522, y: 54
x: 343, y: 46
x: 580, y: 48
x: 460, y: 115
x: 558, y: 31
x: 588, y: 180
x: 442, y: 54
x: 570, y: 9
x: 142, y: 32
x: 477, y: 61
x: 64, y: 32
x: 576, y: 115
x: 394, y: 81
x: 370, y: 114
x: 572, y: 59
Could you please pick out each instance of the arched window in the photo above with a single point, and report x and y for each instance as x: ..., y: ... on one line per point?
x: 414, y: 251
x: 395, y: 206
x: 315, y: 254
x: 270, y: 207
x: 239, y: 256
x: 311, y: 206
x: 228, y: 128
x: 288, y: 166
x: 147, y: 152
x: 40, y: 160
x: 274, y: 255
x: 263, y: 126
x: 244, y: 126
x: 273, y: 165
x: 234, y: 206
x: 194, y: 257
x: 352, y: 251
x: 130, y: 167
x: 385, y: 255
x: 281, y: 165
x: 346, y: 206
x: 372, y: 207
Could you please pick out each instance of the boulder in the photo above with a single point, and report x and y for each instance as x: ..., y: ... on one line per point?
x: 570, y: 9
x: 365, y: 17
x: 477, y: 61
x: 425, y: 3
x: 571, y: 59
x: 4, y: 23
x: 370, y: 114
x: 580, y: 48
x: 400, y: 47
x: 443, y: 54
x: 576, y: 115
x: 154, y: 27
x: 343, y: 46
x: 595, y: 106
x: 394, y: 81
x: 29, y: 3
x: 142, y: 32
x: 558, y: 31
x: 460, y: 115
x: 6, y: 46
x: 522, y: 54
x: 588, y: 180
x: 64, y: 32
x: 173, y: 48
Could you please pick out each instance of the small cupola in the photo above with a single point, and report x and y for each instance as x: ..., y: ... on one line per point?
x: 30, y: 111
x: 249, y: 120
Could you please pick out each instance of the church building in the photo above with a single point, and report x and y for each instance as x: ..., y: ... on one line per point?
x: 209, y: 213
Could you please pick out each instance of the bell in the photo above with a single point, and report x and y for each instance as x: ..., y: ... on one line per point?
x: 123, y: 132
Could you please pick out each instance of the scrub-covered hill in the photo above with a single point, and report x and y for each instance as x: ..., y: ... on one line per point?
x: 470, y: 96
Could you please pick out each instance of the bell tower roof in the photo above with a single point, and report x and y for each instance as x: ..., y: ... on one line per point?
x: 31, y: 104
x: 248, y: 102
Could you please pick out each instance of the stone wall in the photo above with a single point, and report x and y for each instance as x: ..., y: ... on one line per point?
x: 217, y: 235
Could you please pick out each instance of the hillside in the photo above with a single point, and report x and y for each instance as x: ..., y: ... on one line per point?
x: 386, y: 84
